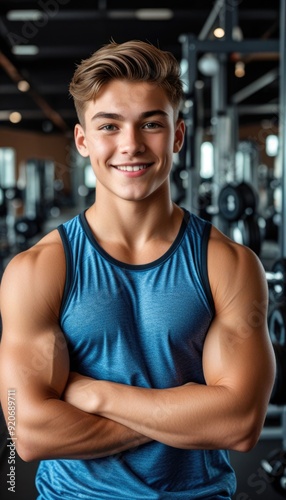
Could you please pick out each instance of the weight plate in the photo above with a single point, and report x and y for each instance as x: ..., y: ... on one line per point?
x: 248, y: 195
x: 278, y: 395
x: 252, y: 234
x: 246, y: 231
x: 277, y: 324
x: 235, y: 199
x: 230, y: 203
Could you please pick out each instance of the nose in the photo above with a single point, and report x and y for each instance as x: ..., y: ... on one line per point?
x: 132, y: 142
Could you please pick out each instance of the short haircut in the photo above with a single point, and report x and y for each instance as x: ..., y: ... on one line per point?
x: 134, y: 61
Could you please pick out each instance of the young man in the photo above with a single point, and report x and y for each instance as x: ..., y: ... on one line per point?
x: 135, y: 334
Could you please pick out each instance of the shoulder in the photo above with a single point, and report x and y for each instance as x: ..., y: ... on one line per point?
x: 37, y: 272
x: 234, y: 270
x: 230, y: 249
x: 48, y: 250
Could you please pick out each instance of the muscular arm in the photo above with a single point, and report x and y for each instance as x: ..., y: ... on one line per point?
x: 227, y: 412
x: 34, y: 361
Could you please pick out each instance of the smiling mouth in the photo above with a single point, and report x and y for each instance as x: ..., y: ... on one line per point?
x: 129, y: 168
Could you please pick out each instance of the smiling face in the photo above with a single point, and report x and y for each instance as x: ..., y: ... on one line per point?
x: 130, y: 135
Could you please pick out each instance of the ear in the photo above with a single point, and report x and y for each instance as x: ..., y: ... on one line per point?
x: 179, y: 135
x: 80, y: 140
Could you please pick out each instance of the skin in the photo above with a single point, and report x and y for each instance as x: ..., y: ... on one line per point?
x: 63, y: 414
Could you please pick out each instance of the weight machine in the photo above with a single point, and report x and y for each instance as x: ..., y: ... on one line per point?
x: 234, y: 202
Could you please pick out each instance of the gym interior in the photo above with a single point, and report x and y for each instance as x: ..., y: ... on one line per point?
x: 231, y: 171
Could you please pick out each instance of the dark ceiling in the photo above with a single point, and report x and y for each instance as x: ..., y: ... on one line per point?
x: 66, y: 31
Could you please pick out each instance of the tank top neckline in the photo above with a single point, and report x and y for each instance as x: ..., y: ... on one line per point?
x: 148, y: 265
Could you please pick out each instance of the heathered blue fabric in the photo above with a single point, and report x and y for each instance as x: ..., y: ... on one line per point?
x: 142, y: 325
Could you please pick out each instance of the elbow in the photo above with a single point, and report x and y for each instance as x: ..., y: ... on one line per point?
x: 246, y: 443
x: 26, y: 451
x: 27, y: 446
x: 248, y: 433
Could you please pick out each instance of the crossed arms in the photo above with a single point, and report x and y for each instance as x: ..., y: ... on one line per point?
x: 59, y: 414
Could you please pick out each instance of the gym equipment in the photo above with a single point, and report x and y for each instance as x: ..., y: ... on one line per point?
x: 246, y: 231
x: 277, y: 328
x: 247, y: 162
x: 275, y: 468
x: 275, y: 464
x: 272, y: 222
x: 278, y: 395
x: 236, y: 200
x: 39, y: 187
x: 277, y: 325
x: 28, y: 227
x: 278, y: 272
x: 179, y: 181
x: 3, y: 203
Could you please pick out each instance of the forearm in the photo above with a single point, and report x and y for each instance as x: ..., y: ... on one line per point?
x: 47, y: 427
x: 190, y: 416
x: 56, y: 429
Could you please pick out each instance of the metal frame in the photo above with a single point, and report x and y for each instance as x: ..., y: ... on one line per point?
x: 191, y: 49
x: 282, y: 123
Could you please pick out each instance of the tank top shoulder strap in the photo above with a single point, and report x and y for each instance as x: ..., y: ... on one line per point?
x: 69, y: 266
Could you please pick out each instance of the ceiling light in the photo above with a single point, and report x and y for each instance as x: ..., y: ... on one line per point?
x: 208, y: 64
x: 219, y: 32
x: 24, y: 15
x: 272, y: 145
x: 4, y: 115
x: 154, y: 14
x: 120, y: 14
x: 15, y: 117
x: 25, y: 50
x: 237, y: 34
x: 23, y: 86
x: 239, y: 69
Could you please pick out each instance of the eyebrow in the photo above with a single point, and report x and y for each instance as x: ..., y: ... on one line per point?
x: 117, y: 116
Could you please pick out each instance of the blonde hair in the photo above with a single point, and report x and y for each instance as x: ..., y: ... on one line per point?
x: 134, y: 60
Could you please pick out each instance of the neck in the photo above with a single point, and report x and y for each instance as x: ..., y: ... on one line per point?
x: 134, y: 223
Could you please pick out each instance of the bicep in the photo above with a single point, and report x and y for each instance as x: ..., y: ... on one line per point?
x: 238, y: 353
x: 239, y: 358
x: 33, y: 357
x: 37, y: 370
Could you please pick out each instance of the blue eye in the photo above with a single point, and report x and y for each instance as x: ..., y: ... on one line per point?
x: 108, y: 127
x: 151, y: 125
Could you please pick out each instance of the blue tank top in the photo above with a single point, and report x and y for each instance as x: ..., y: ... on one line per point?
x: 142, y: 325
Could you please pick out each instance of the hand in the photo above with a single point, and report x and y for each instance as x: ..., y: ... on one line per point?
x: 80, y: 392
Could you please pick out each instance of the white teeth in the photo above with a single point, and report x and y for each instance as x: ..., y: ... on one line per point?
x: 129, y: 168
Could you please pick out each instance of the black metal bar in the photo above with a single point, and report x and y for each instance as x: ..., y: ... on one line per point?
x: 244, y: 46
x: 189, y: 54
x: 282, y: 123
x: 258, y: 109
x: 211, y: 19
x: 231, y: 20
x: 255, y: 86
